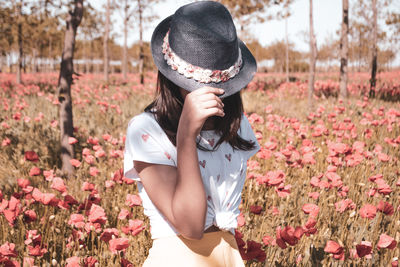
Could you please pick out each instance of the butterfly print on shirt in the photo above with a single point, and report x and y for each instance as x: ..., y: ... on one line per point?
x: 228, y: 156
x: 211, y: 142
x: 145, y: 137
x: 167, y: 155
x: 203, y: 163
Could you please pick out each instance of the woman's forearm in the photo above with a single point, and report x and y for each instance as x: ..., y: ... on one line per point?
x: 189, y: 203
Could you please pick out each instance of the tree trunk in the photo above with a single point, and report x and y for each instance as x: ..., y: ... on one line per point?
x: 287, y: 50
x: 312, y: 60
x: 20, y: 49
x: 105, y: 43
x: 87, y: 64
x: 125, y: 52
x: 344, y: 49
x: 141, y: 55
x: 64, y: 86
x: 374, y: 49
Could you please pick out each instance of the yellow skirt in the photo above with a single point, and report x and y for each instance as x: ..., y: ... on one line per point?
x: 215, y: 249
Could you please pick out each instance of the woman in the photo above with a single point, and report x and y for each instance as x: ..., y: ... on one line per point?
x: 188, y: 150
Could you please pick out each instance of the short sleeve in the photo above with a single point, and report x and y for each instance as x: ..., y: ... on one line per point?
x: 144, y: 142
x: 247, y: 133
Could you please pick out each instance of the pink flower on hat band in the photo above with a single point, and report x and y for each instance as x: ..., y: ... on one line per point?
x: 197, y: 73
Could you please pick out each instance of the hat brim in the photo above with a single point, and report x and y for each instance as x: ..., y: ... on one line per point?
x: 231, y: 86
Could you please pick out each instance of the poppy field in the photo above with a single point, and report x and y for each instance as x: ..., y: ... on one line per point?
x: 323, y: 190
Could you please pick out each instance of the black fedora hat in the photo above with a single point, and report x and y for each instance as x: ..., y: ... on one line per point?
x: 198, y: 46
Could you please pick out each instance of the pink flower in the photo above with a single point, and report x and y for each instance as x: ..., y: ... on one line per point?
x: 118, y: 244
x: 368, y: 211
x: 311, y: 209
x: 58, y: 184
x: 77, y: 220
x: 73, y: 262
x: 107, y: 234
x: 36, y: 250
x: 87, y: 186
x: 133, y: 200
x: 256, y: 209
x: 93, y: 171
x: 31, y: 156
x: 6, y: 141
x: 23, y: 183
x: 386, y: 241
x: 106, y: 137
x: 123, y: 214
x: 74, y: 162
x: 364, y: 249
x: 125, y: 263
x: 100, y: 153
x: 8, y: 250
x: 344, y: 204
x: 385, y: 207
x: 72, y: 140
x: 90, y: 261
x: 97, y: 214
x: 267, y: 240
x: 314, y: 195
x: 35, y: 171
x: 30, y: 216
x: 240, y: 219
x: 335, y: 249
x: 134, y: 227
x: 109, y: 183
x: 54, y: 123
x: 275, y: 177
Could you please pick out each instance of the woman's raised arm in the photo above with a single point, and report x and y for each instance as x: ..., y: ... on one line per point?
x: 178, y: 192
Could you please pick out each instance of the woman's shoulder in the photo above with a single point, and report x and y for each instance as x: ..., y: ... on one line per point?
x: 142, y: 120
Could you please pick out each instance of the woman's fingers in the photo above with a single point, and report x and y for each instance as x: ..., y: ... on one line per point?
x: 214, y: 112
x: 212, y: 103
x: 208, y: 97
x: 207, y: 89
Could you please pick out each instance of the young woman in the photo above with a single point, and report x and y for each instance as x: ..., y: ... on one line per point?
x: 188, y: 150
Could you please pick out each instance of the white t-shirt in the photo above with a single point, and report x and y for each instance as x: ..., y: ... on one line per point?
x: 223, y: 172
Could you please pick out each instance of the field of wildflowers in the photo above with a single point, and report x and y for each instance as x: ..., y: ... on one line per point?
x: 324, y: 189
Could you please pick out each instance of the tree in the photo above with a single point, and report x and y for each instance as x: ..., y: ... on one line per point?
x: 6, y: 36
x: 127, y: 15
x: 18, y: 20
x: 141, y: 55
x: 374, y: 49
x: 344, y: 50
x: 64, y: 86
x: 328, y: 51
x: 248, y: 11
x: 313, y: 55
x: 141, y: 7
x: 89, y: 41
x: 105, y: 42
x: 274, y: 52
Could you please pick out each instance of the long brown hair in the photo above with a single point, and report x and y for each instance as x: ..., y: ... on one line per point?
x: 168, y: 109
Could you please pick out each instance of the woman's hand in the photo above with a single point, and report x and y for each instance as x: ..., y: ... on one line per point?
x: 198, y: 106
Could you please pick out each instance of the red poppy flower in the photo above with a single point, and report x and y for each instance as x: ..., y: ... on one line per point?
x: 31, y: 156
x: 386, y: 241
x: 368, y: 211
x: 133, y: 200
x: 97, y: 214
x: 118, y: 244
x: 364, y: 249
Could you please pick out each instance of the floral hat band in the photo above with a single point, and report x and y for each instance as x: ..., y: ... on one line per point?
x: 195, y: 72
